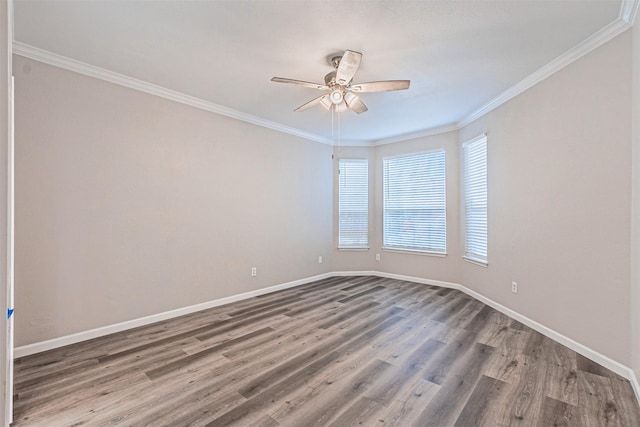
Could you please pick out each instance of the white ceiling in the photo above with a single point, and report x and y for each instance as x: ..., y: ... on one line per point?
x: 459, y: 55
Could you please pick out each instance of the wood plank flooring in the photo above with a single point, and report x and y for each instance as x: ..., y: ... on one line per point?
x: 338, y: 352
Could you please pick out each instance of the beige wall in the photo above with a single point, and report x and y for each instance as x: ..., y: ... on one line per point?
x: 559, y: 205
x: 130, y: 205
x: 116, y: 212
x: 425, y: 266
x: 635, y: 224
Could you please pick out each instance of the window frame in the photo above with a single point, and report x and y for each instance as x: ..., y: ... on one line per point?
x: 430, y: 251
x: 469, y: 254
x: 354, y: 247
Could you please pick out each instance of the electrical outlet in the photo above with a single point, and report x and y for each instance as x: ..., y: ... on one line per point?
x: 377, y: 257
x: 320, y: 259
x: 254, y: 272
x: 514, y: 287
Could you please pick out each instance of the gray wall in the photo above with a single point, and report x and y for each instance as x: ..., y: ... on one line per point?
x: 130, y: 205
x: 635, y: 197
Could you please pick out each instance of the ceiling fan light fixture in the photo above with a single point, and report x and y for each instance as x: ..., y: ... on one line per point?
x: 326, y: 102
x: 336, y: 97
x: 350, y: 97
x: 341, y: 107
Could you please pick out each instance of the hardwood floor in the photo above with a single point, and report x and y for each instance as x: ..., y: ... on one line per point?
x: 338, y: 352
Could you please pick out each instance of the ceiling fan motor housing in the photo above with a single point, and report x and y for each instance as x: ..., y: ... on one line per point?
x: 330, y: 79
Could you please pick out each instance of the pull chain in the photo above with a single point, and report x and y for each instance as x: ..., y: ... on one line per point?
x: 339, y: 135
x: 333, y: 137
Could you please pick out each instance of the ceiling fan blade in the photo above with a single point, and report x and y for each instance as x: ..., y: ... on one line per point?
x: 382, y: 86
x: 348, y: 66
x: 355, y: 103
x: 311, y: 103
x: 300, y: 83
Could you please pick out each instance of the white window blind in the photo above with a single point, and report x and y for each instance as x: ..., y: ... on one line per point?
x: 353, y: 203
x: 474, y: 166
x: 414, y: 216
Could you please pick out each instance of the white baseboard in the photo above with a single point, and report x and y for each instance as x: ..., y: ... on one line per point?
x: 432, y: 282
x: 354, y: 273
x: 398, y: 277
x: 597, y: 357
x: 587, y: 352
x: 41, y: 346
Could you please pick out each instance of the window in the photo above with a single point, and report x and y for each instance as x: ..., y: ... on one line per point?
x: 474, y: 164
x: 353, y: 203
x: 414, y: 217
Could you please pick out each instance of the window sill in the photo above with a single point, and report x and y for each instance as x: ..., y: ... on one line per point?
x: 476, y: 261
x: 415, y: 252
x: 353, y: 248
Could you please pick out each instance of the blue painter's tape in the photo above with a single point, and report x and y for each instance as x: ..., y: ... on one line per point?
x: 9, y: 313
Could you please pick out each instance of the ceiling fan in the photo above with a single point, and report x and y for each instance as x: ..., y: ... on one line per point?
x: 341, y: 92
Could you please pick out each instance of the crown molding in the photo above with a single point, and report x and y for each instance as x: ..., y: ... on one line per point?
x: 627, y: 16
x: 628, y: 11
x: 420, y: 134
x: 354, y: 143
x: 69, y: 64
x: 596, y: 40
x: 73, y: 65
